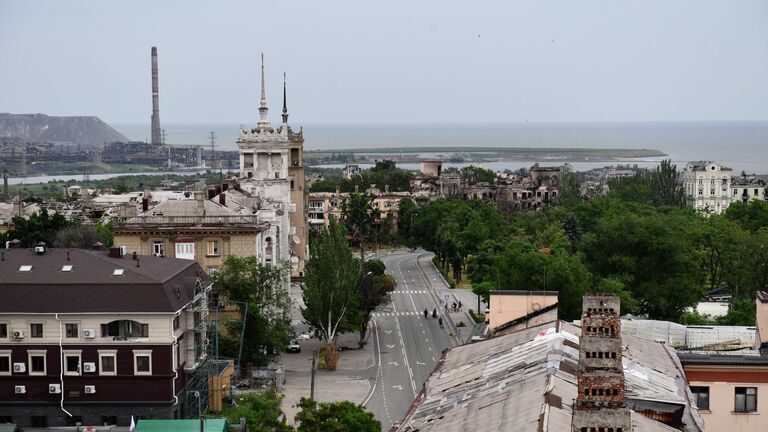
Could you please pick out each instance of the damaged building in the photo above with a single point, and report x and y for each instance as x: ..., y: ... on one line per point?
x: 557, y: 376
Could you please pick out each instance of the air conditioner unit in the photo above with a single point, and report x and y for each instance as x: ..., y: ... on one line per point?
x: 89, y: 333
x: 19, y: 367
x: 54, y: 388
x: 90, y: 389
x: 20, y: 389
x: 89, y: 367
x: 123, y: 250
x: 18, y: 334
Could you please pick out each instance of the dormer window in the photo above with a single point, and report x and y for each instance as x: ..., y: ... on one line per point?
x: 118, y: 272
x: 25, y: 268
x: 66, y: 268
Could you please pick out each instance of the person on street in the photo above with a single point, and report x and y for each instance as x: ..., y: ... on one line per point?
x: 426, y: 313
x: 440, y: 321
x: 434, y: 313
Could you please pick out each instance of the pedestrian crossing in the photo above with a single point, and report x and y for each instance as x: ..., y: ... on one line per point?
x: 386, y: 314
x: 410, y: 291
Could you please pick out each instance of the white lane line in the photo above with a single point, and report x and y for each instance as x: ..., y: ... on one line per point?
x: 402, y: 342
x: 378, y: 370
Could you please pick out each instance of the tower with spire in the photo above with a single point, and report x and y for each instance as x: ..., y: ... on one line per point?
x: 272, y: 169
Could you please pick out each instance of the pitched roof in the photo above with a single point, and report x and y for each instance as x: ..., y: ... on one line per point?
x: 149, y: 284
x: 527, y: 381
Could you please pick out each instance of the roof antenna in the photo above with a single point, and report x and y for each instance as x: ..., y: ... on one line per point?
x: 67, y: 254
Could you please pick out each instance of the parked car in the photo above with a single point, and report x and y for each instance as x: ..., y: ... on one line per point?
x: 293, y: 346
x: 305, y: 335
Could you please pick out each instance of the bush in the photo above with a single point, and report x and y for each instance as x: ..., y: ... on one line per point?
x: 461, y: 324
x: 478, y: 318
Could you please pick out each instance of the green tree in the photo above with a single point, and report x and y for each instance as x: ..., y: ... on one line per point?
x: 375, y: 289
x: 341, y: 416
x: 245, y: 281
x: 360, y: 216
x: 78, y: 236
x: 261, y: 412
x: 473, y: 174
x: 40, y: 227
x: 407, y: 210
x: 751, y: 216
x: 331, y: 282
x: 568, y: 187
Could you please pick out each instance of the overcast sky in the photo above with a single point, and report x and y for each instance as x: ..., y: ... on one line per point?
x: 389, y: 61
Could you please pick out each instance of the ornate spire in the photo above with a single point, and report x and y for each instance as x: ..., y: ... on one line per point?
x: 285, y: 103
x: 263, y: 120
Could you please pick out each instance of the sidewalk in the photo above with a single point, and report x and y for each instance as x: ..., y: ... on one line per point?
x: 450, y: 295
x: 349, y: 382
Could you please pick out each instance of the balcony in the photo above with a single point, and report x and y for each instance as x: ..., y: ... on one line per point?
x: 168, y: 221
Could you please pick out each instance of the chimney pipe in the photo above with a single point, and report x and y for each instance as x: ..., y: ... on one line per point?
x: 156, y: 138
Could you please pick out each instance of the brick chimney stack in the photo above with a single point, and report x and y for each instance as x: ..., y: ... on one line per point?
x: 600, y: 404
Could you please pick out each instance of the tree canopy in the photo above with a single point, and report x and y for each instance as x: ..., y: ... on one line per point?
x: 341, y: 416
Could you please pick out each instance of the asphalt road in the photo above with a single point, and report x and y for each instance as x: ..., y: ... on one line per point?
x: 407, y: 344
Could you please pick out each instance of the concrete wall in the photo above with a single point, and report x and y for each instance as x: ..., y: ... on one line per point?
x: 512, y: 305
x: 721, y: 417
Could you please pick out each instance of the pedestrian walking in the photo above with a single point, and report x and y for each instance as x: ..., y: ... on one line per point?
x: 434, y: 313
x: 440, y: 322
x: 459, y: 304
x: 426, y: 313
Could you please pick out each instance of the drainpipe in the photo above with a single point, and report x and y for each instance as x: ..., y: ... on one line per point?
x: 61, y: 366
x: 174, y: 360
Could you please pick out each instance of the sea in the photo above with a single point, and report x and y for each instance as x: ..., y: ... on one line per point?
x: 742, y: 146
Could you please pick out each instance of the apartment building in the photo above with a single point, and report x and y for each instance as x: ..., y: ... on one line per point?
x: 707, y: 186
x: 95, y: 337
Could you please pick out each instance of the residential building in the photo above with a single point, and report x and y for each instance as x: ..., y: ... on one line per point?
x: 200, y: 229
x: 272, y: 169
x: 748, y: 188
x: 731, y: 385
x: 95, y: 337
x: 707, y: 186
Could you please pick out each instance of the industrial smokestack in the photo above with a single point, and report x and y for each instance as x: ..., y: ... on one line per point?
x: 156, y: 139
x: 5, y: 185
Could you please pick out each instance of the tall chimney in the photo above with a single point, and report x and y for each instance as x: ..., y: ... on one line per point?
x: 600, y: 403
x: 156, y: 138
x: 5, y: 185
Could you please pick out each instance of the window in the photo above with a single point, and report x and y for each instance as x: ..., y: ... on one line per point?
x: 158, y: 248
x: 72, y: 362
x: 36, y: 362
x: 3, y: 330
x: 124, y: 329
x: 142, y: 362
x: 71, y: 330
x: 185, y: 250
x: 701, y: 394
x: 5, y: 362
x: 107, y: 362
x: 39, y: 421
x: 213, y: 248
x: 36, y: 330
x: 745, y: 399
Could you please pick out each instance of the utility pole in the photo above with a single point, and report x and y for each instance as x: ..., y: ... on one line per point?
x: 312, y: 384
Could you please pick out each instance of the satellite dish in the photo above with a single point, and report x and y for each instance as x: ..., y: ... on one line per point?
x: 536, y: 307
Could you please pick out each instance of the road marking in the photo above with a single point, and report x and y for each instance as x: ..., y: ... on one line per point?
x: 390, y: 346
x: 402, y: 342
x: 430, y: 348
x: 433, y: 358
x: 388, y: 331
x: 420, y: 363
x: 378, y: 370
x: 399, y: 387
x: 392, y: 363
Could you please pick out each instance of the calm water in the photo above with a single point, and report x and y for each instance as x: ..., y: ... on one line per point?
x: 740, y: 145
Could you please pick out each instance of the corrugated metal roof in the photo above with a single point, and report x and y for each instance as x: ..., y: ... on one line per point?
x: 525, y: 381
